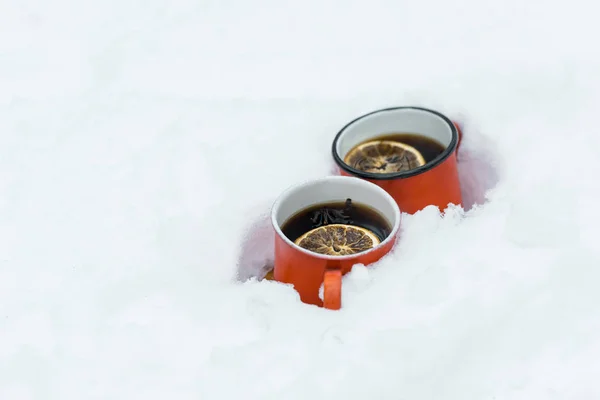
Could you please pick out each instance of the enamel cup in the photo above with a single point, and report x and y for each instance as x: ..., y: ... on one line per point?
x: 307, y: 271
x: 435, y: 183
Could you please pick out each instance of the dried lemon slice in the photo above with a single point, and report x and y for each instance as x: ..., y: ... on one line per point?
x: 384, y: 157
x: 338, y: 240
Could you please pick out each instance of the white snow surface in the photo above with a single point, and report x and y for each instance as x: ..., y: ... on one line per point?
x: 142, y: 144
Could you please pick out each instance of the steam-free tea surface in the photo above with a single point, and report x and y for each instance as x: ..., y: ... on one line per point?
x: 337, y: 228
x: 393, y: 153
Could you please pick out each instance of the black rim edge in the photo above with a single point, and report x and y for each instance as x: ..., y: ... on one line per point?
x: 416, y: 171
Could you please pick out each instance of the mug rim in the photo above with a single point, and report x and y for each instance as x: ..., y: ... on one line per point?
x: 285, y: 194
x: 396, y: 175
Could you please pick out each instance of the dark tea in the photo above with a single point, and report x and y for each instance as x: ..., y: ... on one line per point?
x: 392, y: 153
x: 337, y: 228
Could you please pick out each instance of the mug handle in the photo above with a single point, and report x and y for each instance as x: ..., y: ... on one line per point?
x: 332, y: 289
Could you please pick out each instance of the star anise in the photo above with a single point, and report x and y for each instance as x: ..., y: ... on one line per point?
x: 325, y: 215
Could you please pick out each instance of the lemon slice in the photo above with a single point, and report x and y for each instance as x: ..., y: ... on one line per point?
x: 338, y: 240
x: 384, y: 157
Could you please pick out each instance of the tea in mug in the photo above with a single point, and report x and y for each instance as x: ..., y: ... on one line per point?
x: 393, y: 153
x: 337, y: 228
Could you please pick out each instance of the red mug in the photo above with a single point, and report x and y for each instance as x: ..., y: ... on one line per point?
x: 435, y: 183
x: 307, y: 270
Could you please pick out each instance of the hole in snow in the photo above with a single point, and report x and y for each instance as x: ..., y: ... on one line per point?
x: 477, y: 169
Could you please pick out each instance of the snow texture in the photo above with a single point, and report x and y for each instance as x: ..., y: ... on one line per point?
x: 143, y: 142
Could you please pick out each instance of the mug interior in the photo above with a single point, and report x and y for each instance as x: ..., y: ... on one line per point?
x: 397, y: 120
x: 333, y: 189
x: 409, y: 120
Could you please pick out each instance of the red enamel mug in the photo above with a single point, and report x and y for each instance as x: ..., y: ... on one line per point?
x: 307, y: 271
x: 434, y: 183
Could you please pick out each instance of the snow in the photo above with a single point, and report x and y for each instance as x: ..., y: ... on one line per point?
x: 142, y: 144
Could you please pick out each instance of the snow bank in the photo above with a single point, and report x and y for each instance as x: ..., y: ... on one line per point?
x: 141, y: 145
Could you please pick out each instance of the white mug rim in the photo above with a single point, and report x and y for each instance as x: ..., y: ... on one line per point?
x: 285, y: 194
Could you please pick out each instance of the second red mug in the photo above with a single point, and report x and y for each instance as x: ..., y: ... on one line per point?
x: 434, y: 183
